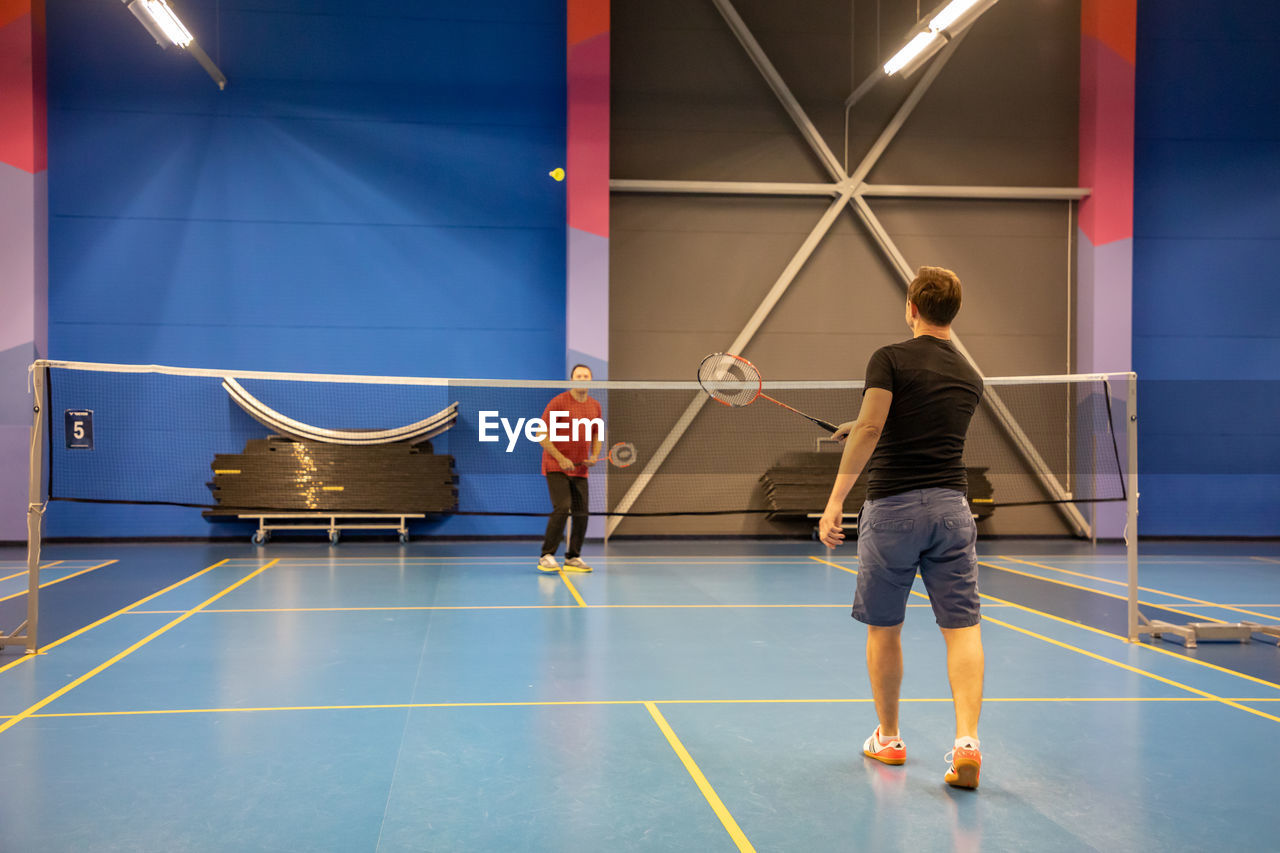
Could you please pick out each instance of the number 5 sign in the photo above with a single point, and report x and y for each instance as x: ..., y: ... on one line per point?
x: 79, y: 430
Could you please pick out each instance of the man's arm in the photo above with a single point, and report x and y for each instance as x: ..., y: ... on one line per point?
x: 862, y: 437
x: 563, y: 461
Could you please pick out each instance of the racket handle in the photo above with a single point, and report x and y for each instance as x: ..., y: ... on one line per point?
x: 829, y: 427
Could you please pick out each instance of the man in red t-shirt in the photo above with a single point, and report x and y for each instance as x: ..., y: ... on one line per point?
x: 565, y: 460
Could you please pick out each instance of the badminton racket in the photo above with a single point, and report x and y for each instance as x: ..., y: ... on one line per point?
x: 734, y: 381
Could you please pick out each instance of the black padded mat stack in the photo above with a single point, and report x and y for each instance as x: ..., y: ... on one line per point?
x: 282, y: 474
x: 801, y: 482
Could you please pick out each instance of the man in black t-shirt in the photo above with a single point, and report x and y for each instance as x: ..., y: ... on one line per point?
x: 919, y: 397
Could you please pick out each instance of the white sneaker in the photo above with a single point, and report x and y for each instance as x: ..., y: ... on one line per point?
x: 890, y: 751
x: 575, y: 564
x: 548, y: 563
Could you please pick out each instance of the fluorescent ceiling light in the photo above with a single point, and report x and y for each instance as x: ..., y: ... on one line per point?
x: 914, y: 50
x: 948, y: 22
x: 161, y: 22
x: 958, y: 14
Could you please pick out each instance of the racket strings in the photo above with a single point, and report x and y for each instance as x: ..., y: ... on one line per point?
x: 730, y: 380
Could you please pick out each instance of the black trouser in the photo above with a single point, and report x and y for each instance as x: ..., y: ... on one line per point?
x: 568, y: 497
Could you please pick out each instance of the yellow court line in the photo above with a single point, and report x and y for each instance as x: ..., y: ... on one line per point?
x: 61, y: 579
x: 573, y: 589
x: 1143, y: 588
x: 1266, y: 559
x: 574, y: 702
x: 1094, y: 591
x: 111, y: 616
x: 1230, y: 702
x: 604, y: 562
x: 25, y: 571
x: 395, y: 561
x: 731, y: 825
x: 1104, y: 633
x: 409, y: 607
x: 62, y: 691
x: 1146, y: 646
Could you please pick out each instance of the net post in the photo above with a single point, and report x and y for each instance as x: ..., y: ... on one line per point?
x: 35, y: 500
x: 1131, y: 504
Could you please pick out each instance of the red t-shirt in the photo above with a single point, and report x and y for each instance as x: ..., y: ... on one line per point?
x: 576, y: 451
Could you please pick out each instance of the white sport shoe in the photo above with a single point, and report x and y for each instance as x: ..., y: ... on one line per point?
x: 887, y: 750
x: 548, y: 563
x: 575, y: 564
x: 966, y: 765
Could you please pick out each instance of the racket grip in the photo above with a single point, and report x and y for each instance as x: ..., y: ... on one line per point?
x: 829, y: 427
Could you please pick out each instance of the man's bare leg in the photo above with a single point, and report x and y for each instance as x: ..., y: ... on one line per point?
x: 965, y: 669
x: 884, y: 667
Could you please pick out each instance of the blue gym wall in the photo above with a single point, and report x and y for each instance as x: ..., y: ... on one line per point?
x: 1206, y: 306
x: 370, y: 194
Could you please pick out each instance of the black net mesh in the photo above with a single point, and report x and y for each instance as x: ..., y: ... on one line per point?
x: 145, y: 437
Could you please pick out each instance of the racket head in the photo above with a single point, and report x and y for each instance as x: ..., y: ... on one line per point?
x: 730, y: 379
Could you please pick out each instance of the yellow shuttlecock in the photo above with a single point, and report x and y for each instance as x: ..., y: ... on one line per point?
x: 557, y: 173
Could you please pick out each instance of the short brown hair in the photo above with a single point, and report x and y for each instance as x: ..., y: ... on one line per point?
x: 936, y: 294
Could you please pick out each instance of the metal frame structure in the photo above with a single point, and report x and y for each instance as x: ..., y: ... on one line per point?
x: 25, y: 633
x: 337, y: 522
x: 848, y: 188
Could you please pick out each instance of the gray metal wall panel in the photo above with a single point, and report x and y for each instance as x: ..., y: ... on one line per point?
x: 686, y: 272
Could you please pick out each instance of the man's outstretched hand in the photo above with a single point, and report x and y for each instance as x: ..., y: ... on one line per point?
x: 829, y: 530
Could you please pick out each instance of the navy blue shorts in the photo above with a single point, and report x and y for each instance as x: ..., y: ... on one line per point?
x: 927, y: 529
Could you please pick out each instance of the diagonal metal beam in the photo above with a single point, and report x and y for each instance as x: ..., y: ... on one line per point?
x: 1005, y: 418
x: 851, y: 189
x: 905, y: 110
x: 744, y: 337
x: 779, y: 87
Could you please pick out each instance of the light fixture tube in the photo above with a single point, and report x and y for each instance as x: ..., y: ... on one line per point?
x: 947, y: 23
x: 915, y: 53
x: 957, y: 15
x: 161, y: 22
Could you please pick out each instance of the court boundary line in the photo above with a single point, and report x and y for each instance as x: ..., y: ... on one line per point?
x: 119, y: 656
x: 1100, y: 631
x: 429, y: 607
x: 1137, y: 670
x: 717, y: 805
x: 44, y: 649
x: 52, y: 565
x: 573, y: 589
x: 413, y: 706
x: 1200, y: 601
x: 1266, y: 559
x: 60, y: 580
x: 287, y: 562
x: 1095, y: 591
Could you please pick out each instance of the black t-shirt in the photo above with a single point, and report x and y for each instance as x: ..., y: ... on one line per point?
x: 935, y: 392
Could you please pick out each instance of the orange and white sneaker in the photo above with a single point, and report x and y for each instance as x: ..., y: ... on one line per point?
x: 966, y: 763
x: 887, y: 750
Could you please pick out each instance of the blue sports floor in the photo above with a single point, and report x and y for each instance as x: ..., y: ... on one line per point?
x: 693, y: 696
